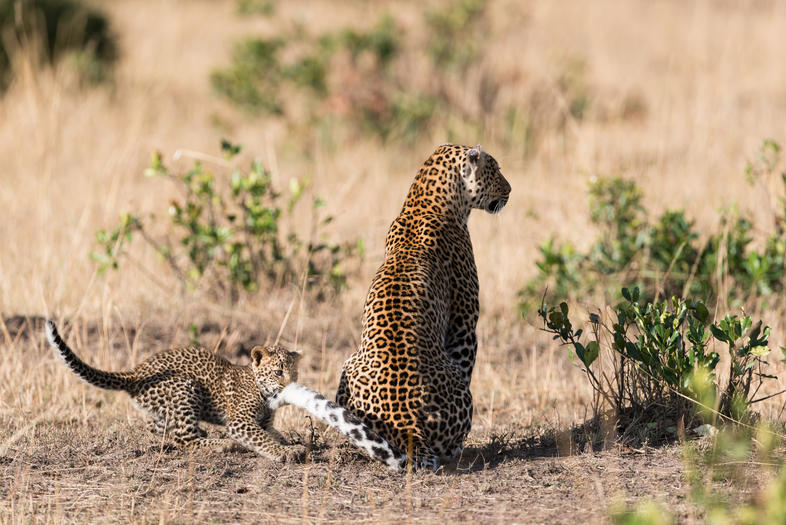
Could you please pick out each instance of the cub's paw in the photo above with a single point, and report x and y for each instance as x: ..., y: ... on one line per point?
x: 293, y: 454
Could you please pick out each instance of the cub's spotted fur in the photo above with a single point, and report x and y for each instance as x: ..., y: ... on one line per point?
x: 344, y: 421
x: 180, y: 387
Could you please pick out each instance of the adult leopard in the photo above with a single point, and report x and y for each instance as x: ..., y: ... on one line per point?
x: 409, y: 379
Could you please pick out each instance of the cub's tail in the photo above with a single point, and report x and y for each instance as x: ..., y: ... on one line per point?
x: 344, y: 421
x: 99, y: 378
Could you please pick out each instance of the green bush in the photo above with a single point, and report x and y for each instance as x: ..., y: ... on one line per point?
x: 64, y: 28
x: 381, y: 41
x: 267, y: 75
x: 665, y: 257
x: 572, y: 85
x: 230, y: 235
x: 663, y: 365
x: 360, y: 78
x: 264, y: 70
x: 256, y: 7
x: 455, y: 33
x: 258, y: 76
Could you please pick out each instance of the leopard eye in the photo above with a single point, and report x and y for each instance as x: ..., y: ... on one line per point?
x: 279, y: 373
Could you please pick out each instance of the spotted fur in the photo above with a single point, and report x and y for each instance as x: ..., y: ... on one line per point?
x: 182, y: 386
x: 409, y: 379
x: 344, y: 421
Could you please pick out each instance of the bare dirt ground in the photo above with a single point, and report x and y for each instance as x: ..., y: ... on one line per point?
x: 63, y: 471
x: 88, y: 458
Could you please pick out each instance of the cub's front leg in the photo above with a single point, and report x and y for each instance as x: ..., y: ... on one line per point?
x: 275, y: 434
x: 247, y: 432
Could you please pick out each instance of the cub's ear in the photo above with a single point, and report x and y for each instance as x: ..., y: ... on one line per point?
x: 258, y: 353
x: 474, y: 154
x: 295, y: 355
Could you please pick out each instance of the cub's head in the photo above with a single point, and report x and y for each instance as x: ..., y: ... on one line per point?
x: 274, y: 367
x: 481, y: 181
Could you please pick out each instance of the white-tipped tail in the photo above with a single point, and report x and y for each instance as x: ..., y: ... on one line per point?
x: 94, y: 376
x: 51, y: 332
x: 344, y: 421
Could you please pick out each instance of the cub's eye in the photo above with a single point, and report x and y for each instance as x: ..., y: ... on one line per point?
x: 279, y: 373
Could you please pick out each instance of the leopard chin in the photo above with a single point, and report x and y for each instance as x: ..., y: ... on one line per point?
x: 495, y: 206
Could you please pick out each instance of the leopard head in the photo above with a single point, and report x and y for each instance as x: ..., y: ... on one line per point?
x: 274, y: 367
x: 483, y: 182
x: 455, y: 179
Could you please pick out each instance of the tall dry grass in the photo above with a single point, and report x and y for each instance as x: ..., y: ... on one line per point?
x: 709, y: 77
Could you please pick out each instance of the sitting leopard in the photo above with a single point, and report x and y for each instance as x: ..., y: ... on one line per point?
x: 180, y: 387
x: 409, y: 379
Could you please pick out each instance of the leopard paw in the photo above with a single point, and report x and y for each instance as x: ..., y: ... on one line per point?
x: 293, y: 454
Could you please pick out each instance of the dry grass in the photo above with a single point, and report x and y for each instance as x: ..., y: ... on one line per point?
x: 711, y: 78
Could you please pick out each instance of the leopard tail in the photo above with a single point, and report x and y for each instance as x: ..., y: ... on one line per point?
x: 94, y: 376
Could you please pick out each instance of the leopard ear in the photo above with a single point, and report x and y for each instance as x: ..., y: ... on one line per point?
x: 258, y: 353
x: 295, y: 355
x: 474, y: 154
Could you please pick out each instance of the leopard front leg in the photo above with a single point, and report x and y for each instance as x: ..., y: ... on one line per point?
x: 248, y: 433
x: 265, y: 420
x: 156, y: 425
x: 275, y: 434
x: 222, y: 444
x: 461, y: 343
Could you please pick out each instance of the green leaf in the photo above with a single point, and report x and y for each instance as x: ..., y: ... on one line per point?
x: 719, y: 334
x: 295, y: 188
x: 701, y: 312
x: 591, y: 352
x: 229, y: 149
x: 760, y: 351
x: 579, y: 348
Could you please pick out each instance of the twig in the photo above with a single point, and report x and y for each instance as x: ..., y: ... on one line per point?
x: 201, y: 156
x: 766, y: 397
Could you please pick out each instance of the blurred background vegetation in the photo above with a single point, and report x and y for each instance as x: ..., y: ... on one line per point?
x: 55, y: 30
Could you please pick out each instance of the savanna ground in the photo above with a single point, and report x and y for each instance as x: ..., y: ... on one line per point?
x: 681, y: 94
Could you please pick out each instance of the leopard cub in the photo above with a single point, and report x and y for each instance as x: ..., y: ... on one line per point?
x: 182, y: 386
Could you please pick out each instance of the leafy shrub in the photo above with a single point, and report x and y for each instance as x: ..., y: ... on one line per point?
x: 663, y: 365
x: 454, y: 31
x: 267, y: 72
x: 666, y: 257
x: 258, y: 76
x: 63, y: 28
x: 256, y: 7
x: 380, y: 41
x: 361, y: 76
x: 229, y: 233
x: 572, y: 85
